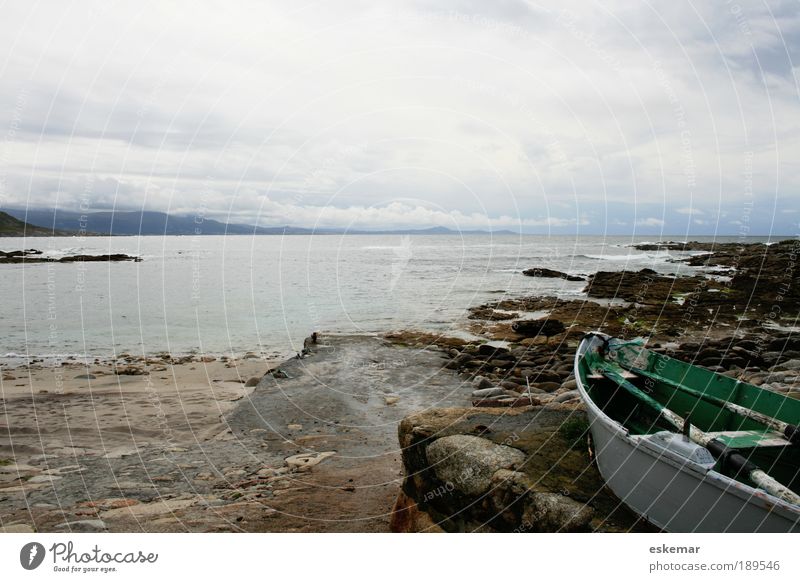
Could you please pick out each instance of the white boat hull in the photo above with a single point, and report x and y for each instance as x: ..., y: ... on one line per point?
x: 671, y: 491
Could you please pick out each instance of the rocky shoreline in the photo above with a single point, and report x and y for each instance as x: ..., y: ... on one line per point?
x: 506, y: 464
x: 412, y: 431
x: 37, y: 256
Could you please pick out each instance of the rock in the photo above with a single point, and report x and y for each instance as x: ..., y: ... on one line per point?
x: 84, y: 525
x: 550, y: 273
x: 570, y: 384
x: 481, y: 382
x: 643, y: 287
x: 789, y: 365
x: 488, y: 392
x: 120, y: 452
x: 408, y: 517
x: 99, y: 258
x: 553, y: 512
x: 85, y: 377
x: 235, y: 474
x: 391, y: 400
x: 469, y: 462
x: 458, y: 361
x: 110, y: 503
x: 567, y: 396
x: 513, y: 386
x: 538, y: 327
x: 489, y: 314
x: 143, y: 510
x: 44, y: 479
x: 544, y: 376
x: 252, y: 382
x: 539, y: 340
x: 128, y: 371
x: 553, y: 444
x: 20, y: 468
x: 548, y: 386
x: 500, y: 364
x: 492, y: 349
x: 16, y: 528
x: 34, y: 256
x: 304, y: 461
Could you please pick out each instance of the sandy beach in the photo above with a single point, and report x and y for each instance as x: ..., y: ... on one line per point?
x: 108, y: 409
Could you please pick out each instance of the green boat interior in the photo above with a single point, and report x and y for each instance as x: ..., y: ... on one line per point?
x: 678, y: 386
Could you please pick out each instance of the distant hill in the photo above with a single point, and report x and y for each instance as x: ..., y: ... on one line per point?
x: 11, y: 226
x: 160, y: 223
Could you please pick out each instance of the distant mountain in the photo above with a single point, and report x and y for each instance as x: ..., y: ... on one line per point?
x: 160, y: 223
x: 10, y: 226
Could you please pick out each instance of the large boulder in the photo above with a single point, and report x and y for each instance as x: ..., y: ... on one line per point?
x: 468, y: 462
x: 513, y: 469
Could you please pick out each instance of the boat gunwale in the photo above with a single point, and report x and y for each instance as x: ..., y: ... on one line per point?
x: 741, y: 490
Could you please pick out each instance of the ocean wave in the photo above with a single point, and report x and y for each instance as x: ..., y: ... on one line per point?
x: 629, y: 257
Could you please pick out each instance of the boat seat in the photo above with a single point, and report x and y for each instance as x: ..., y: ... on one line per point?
x: 624, y: 373
x: 749, y: 439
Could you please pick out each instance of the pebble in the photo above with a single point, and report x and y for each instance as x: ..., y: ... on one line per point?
x: 567, y: 396
x: 120, y: 452
x: 481, y: 382
x: 84, y: 525
x: 307, y: 460
x: 44, y: 478
x: 16, y: 528
x: 18, y: 469
x: 570, y: 384
x: 110, y: 503
x: 488, y: 392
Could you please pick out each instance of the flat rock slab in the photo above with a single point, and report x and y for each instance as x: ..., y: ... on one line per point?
x: 271, y: 467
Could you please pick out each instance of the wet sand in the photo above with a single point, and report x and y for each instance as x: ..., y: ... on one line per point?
x: 107, y: 408
x: 313, y: 447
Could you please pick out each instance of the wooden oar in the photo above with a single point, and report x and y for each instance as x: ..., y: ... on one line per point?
x: 790, y: 431
x: 714, y: 446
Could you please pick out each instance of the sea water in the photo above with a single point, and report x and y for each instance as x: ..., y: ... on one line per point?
x: 236, y: 294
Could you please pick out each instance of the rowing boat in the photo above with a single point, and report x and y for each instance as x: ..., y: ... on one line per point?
x: 686, y: 448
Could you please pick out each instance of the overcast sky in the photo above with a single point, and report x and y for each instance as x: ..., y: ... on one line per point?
x: 562, y: 117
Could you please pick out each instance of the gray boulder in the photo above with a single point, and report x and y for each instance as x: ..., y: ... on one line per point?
x: 468, y: 462
x: 553, y: 512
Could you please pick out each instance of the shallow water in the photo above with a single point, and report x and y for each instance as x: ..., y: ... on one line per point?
x: 223, y: 294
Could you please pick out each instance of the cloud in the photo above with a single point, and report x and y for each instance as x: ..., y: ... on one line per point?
x: 650, y: 222
x: 483, y: 110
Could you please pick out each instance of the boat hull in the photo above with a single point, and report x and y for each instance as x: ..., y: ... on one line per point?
x: 672, y: 492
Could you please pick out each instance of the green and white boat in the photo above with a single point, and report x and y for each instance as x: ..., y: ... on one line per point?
x: 686, y: 448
